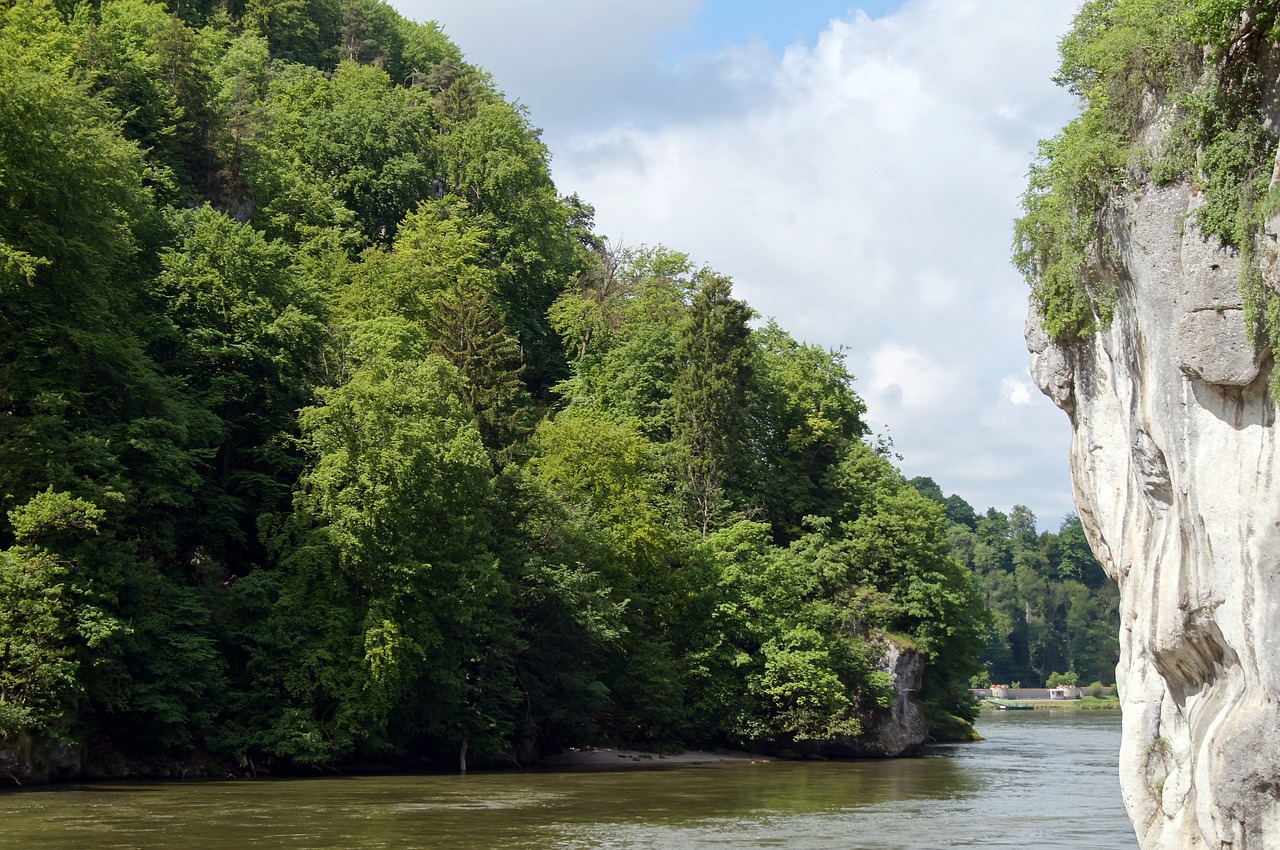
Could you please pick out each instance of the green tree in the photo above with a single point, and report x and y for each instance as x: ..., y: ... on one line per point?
x: 155, y: 72
x: 961, y: 512
x: 714, y: 358
x: 802, y: 415
x: 370, y: 33
x: 46, y: 622
x: 606, y: 476
x: 495, y: 161
x: 242, y: 332
x: 411, y: 626
x: 631, y: 322
x: 469, y: 334
x: 928, y: 488
x: 369, y: 143
x: 1076, y: 559
x: 71, y: 365
x: 297, y: 30
x: 893, y: 545
x: 784, y: 660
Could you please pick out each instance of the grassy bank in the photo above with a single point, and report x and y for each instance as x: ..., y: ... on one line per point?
x: 1088, y: 703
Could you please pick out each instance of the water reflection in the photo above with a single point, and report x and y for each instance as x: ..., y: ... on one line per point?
x: 1023, y: 786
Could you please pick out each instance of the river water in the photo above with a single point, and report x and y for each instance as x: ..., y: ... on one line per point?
x: 1040, y: 778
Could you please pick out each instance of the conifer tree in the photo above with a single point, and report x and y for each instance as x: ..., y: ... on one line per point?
x: 710, y: 393
x: 468, y: 333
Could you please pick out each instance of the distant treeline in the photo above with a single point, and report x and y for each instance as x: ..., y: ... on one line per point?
x: 1053, y: 608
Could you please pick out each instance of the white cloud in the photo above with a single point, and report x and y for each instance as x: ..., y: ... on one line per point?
x: 909, y: 381
x: 1016, y: 390
x: 859, y: 188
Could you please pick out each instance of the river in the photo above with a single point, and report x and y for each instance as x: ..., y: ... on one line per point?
x: 1041, y: 778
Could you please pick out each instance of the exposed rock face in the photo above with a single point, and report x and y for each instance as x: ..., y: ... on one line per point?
x: 901, y: 729
x: 1177, y: 480
x: 35, y: 761
x: 898, y: 730
x: 27, y: 762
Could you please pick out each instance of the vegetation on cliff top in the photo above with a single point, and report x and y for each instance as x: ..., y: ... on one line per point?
x: 1195, y: 67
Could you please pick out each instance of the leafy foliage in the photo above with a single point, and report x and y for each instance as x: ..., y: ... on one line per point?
x: 44, y: 614
x: 710, y: 394
x: 329, y: 431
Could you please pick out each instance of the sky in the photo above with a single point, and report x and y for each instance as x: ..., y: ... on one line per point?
x: 854, y: 167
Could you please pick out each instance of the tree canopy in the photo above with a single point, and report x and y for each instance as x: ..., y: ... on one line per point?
x: 329, y: 430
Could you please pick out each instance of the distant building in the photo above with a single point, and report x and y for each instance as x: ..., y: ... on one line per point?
x: 1065, y: 692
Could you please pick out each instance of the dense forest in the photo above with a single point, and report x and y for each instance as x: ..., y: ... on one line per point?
x: 330, y: 430
x: 1053, y: 609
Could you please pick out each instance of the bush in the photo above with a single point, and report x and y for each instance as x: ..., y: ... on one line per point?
x: 1068, y: 678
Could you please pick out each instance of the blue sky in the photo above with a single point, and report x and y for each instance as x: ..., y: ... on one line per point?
x: 779, y: 24
x: 854, y: 168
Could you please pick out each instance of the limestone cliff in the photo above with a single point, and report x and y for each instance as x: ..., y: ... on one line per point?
x: 1177, y: 480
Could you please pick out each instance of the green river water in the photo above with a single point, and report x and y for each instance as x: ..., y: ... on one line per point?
x: 1040, y: 778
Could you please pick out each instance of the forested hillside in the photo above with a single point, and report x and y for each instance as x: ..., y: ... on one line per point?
x: 329, y: 430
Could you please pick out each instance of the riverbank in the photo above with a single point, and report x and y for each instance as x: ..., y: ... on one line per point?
x: 1083, y: 704
x: 611, y: 759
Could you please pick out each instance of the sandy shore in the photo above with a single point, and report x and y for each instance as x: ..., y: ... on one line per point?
x: 627, y: 759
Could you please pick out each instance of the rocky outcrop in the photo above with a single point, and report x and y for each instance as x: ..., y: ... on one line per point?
x: 1177, y: 480
x: 27, y: 760
x: 899, y: 730
x: 24, y: 761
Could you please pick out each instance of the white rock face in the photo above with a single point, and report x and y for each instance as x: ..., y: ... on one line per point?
x: 1177, y: 480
